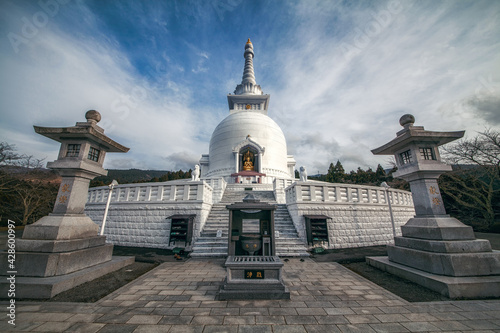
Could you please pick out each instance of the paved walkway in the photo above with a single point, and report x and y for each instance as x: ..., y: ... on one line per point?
x: 325, y: 297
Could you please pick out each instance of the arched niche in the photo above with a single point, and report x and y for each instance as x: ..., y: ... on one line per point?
x: 249, y: 159
x: 256, y: 152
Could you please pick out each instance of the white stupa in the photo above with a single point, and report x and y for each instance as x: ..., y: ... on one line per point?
x: 248, y: 146
x: 248, y: 155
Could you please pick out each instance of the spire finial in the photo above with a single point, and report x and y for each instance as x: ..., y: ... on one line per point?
x: 248, y: 75
x: 248, y: 84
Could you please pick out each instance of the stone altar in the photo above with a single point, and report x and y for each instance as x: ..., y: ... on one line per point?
x: 253, y: 272
x: 253, y: 277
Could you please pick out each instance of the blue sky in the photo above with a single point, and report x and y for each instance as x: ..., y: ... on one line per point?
x: 340, y: 73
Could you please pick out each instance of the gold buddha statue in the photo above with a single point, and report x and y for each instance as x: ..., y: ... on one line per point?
x: 247, y: 161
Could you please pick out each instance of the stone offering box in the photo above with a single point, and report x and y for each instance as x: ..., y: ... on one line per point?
x: 253, y: 277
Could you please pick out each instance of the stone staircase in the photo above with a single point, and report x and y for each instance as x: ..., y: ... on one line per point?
x: 209, y: 245
x: 288, y: 244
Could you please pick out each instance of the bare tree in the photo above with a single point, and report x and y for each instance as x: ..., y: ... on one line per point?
x: 23, y: 184
x: 10, y: 158
x: 476, y: 182
x: 33, y: 195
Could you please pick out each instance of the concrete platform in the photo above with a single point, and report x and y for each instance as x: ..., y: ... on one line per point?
x: 449, y: 264
x: 47, y: 287
x: 47, y: 264
x: 325, y: 298
x: 452, y: 287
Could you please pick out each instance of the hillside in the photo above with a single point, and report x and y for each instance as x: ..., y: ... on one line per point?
x: 138, y: 176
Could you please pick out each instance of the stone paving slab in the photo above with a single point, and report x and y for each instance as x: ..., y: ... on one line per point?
x: 325, y: 297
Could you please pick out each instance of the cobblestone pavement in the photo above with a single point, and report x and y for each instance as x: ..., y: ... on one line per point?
x: 325, y: 297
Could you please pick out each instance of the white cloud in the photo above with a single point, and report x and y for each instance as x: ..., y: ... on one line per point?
x: 436, y: 60
x: 424, y: 59
x: 63, y: 77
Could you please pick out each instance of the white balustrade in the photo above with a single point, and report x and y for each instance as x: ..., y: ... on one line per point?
x: 153, y: 192
x: 345, y: 194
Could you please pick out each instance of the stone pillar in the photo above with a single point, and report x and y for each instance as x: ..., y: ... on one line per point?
x: 429, y: 201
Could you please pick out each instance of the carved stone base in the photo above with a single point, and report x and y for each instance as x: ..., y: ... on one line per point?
x: 437, y: 228
x: 44, y: 264
x: 450, y: 264
x: 452, y: 287
x: 48, y: 287
x: 253, y: 277
x: 61, y: 227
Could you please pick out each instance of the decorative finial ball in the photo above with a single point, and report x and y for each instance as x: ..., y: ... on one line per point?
x: 407, y: 120
x: 93, y: 116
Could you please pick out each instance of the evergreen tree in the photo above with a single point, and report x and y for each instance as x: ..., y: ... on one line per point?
x: 330, y: 176
x: 380, y: 174
x: 336, y: 174
x: 362, y: 176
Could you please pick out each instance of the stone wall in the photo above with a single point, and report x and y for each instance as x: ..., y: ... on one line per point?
x: 358, y: 215
x: 140, y: 225
x: 138, y: 213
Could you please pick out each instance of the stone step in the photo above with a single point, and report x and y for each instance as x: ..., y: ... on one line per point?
x: 289, y: 241
x: 213, y: 240
x: 216, y: 227
x: 213, y: 234
x: 210, y: 249
x: 281, y: 253
x: 211, y: 246
x: 208, y: 255
x: 208, y: 245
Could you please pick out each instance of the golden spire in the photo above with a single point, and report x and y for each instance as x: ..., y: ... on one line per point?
x: 249, y: 42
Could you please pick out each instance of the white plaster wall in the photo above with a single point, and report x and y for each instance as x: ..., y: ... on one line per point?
x: 359, y: 214
x: 145, y: 225
x: 138, y: 213
x: 233, y: 130
x: 352, y: 225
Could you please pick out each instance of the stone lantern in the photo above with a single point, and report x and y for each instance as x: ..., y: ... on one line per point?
x: 435, y: 250
x: 64, y: 247
x: 418, y: 161
x: 81, y: 156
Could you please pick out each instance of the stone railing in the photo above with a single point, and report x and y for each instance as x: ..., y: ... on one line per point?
x: 279, y: 186
x: 173, y: 191
x: 218, y: 185
x: 345, y: 194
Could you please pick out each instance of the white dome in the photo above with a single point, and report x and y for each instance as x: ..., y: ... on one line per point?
x: 233, y: 130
